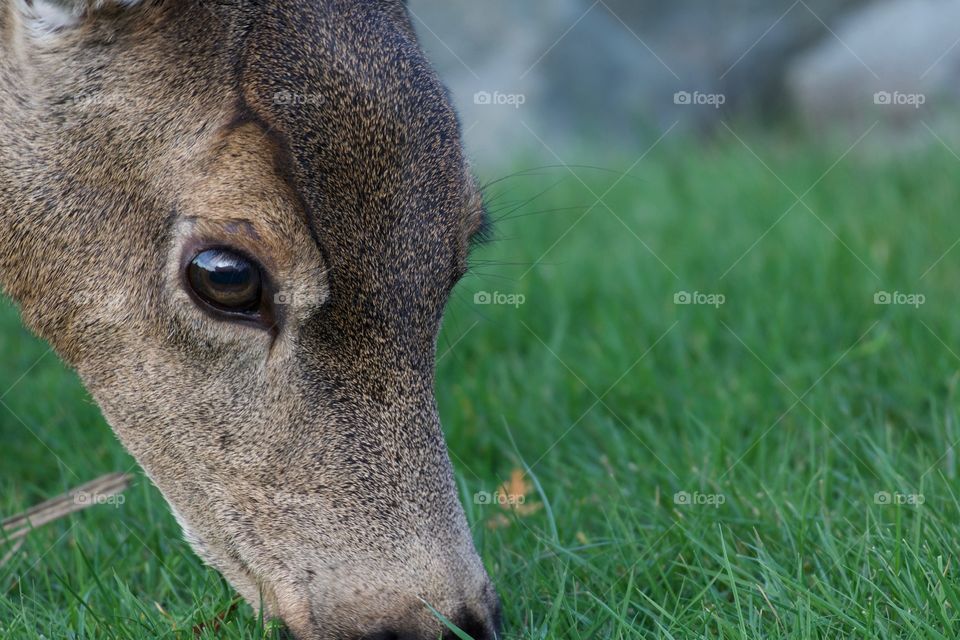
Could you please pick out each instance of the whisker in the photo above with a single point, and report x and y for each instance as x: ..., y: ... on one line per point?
x: 531, y: 199
x: 541, y: 212
x: 539, y: 171
x: 494, y: 276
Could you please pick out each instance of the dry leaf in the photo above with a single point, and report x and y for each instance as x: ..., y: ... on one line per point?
x: 515, y: 492
x: 498, y: 521
x: 517, y: 487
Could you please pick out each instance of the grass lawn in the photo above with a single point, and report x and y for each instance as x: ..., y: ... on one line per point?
x: 780, y: 465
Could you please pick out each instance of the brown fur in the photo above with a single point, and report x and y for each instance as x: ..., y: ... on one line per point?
x: 304, y: 461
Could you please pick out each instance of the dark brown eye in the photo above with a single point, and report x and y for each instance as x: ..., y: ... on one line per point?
x: 226, y: 281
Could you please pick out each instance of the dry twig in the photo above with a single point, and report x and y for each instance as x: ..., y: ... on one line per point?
x: 79, y: 498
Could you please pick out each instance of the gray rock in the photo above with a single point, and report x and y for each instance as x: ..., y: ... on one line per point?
x: 897, y: 61
x: 558, y: 75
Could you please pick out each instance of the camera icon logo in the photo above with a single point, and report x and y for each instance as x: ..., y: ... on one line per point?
x: 283, y: 298
x: 682, y: 297
x: 681, y: 497
x: 882, y: 97
x: 682, y: 97
x: 482, y: 297
x: 483, y: 497
x: 882, y: 497
x: 282, y: 97
x: 882, y: 297
x: 483, y: 97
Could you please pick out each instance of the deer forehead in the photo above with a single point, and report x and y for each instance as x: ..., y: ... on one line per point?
x: 238, y: 197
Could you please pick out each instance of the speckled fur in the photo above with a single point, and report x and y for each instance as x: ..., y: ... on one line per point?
x: 306, y: 463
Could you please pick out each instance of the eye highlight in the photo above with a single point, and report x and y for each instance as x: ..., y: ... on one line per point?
x: 226, y: 280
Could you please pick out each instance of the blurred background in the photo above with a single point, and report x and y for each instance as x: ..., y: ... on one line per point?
x: 616, y: 73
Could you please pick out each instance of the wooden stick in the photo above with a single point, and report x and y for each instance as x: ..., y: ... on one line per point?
x: 9, y: 554
x: 86, y: 495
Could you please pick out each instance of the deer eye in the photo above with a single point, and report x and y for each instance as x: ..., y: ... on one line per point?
x: 226, y: 280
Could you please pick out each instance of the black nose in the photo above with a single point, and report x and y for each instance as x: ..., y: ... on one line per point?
x: 475, y: 627
x: 469, y: 623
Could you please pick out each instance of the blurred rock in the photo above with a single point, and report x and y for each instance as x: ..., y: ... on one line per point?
x: 897, y: 61
x: 572, y: 73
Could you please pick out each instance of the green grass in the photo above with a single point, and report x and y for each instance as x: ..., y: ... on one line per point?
x: 793, y: 404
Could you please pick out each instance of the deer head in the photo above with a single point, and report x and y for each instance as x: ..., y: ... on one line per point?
x: 240, y: 222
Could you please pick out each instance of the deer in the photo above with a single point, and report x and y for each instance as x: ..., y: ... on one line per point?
x: 240, y: 223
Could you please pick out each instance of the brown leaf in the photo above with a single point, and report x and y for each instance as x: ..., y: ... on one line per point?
x: 516, y: 491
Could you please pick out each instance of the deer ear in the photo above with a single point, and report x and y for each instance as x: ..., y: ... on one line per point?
x: 46, y: 17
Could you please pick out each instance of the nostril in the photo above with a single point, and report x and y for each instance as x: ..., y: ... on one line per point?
x: 383, y: 635
x: 473, y: 627
x: 469, y: 624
